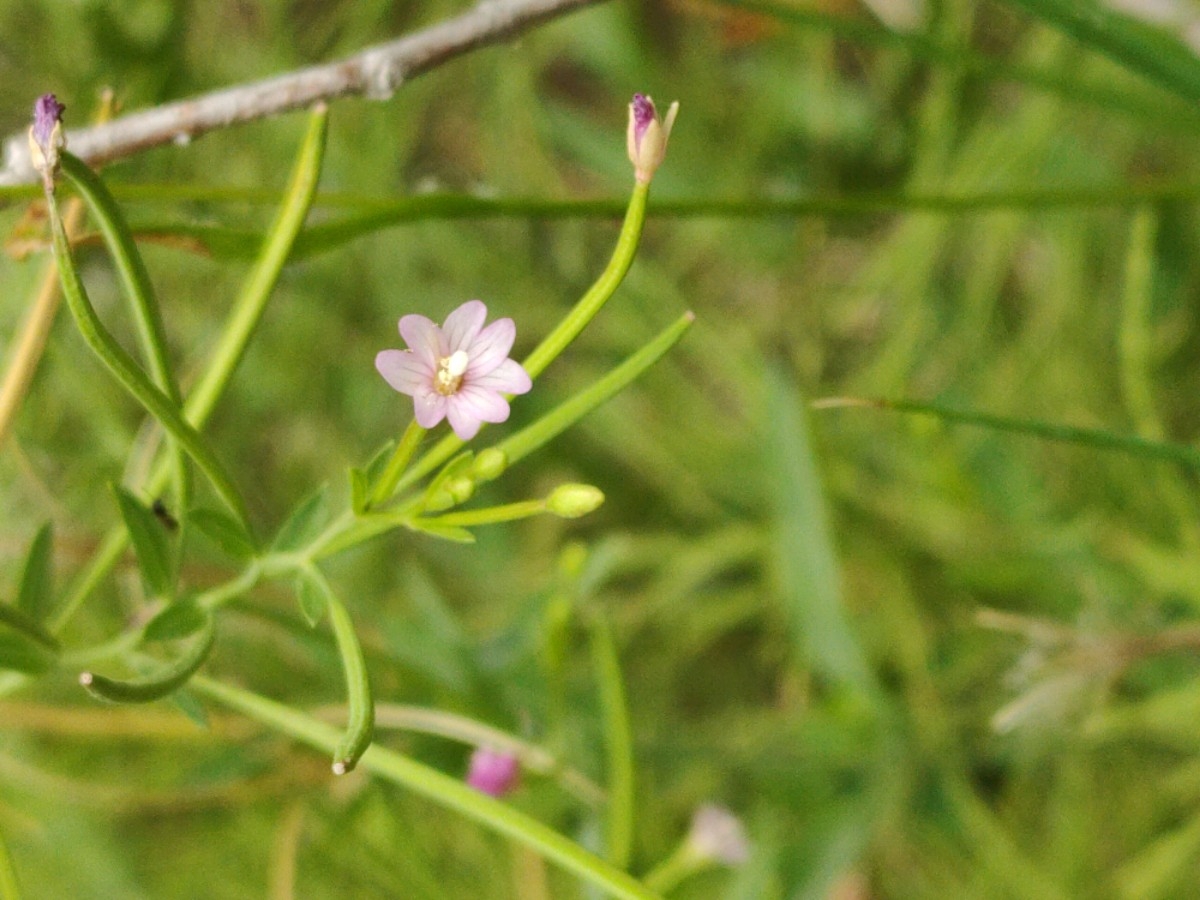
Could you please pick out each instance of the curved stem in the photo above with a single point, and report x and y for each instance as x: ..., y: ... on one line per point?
x: 438, y: 787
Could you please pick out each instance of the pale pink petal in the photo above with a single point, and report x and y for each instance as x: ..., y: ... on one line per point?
x: 506, y: 378
x: 463, y: 325
x: 424, y: 338
x: 429, y: 408
x: 404, y: 371
x: 464, y: 424
x: 481, y: 404
x: 491, y: 346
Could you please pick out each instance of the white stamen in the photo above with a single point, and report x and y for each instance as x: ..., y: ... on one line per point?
x: 457, y: 363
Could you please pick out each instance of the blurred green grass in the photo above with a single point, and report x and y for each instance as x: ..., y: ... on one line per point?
x: 870, y: 755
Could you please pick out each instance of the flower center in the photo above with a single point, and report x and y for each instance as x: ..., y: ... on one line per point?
x: 450, y: 371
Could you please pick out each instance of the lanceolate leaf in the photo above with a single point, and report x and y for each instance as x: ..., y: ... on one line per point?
x: 37, y: 583
x: 313, y: 596
x: 20, y: 654
x: 225, y: 531
x: 150, y: 541
x: 305, y: 522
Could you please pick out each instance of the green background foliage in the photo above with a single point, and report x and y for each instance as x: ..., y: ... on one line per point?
x: 993, y: 213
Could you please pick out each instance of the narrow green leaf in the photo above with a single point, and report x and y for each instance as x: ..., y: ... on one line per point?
x: 9, y: 888
x: 21, y: 654
x: 36, y: 594
x: 809, y: 574
x: 438, y: 530
x: 179, y: 620
x: 1180, y: 454
x: 164, y: 680
x: 444, y: 790
x: 20, y: 621
x: 568, y: 413
x: 224, y: 531
x: 313, y: 596
x: 1149, y: 50
x: 126, y: 371
x: 360, y: 725
x: 618, y: 742
x: 132, y: 273
x: 150, y: 542
x: 359, y: 490
x: 305, y: 522
x: 236, y: 333
x: 185, y: 701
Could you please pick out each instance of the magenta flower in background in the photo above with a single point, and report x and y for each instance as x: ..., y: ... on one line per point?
x: 493, y: 772
x: 460, y: 371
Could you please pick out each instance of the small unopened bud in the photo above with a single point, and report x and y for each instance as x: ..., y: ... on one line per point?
x: 489, y: 464
x: 647, y: 136
x: 46, y: 139
x: 570, y: 501
x: 451, y: 492
x: 493, y: 772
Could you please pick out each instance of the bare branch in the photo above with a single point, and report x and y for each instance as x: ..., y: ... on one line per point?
x: 375, y: 73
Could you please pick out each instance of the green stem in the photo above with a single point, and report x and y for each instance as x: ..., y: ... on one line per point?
x: 675, y: 869
x: 618, y: 739
x: 123, y: 367
x: 386, y: 485
x: 509, y: 512
x: 165, y: 681
x: 248, y: 309
x: 597, y: 295
x: 569, y: 412
x: 1180, y: 454
x: 442, y: 789
x: 146, y: 313
x: 568, y: 329
x: 360, y: 705
x: 236, y: 335
x: 9, y: 887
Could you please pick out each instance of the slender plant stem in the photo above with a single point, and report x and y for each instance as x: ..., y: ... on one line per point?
x: 438, y: 787
x: 396, y: 465
x: 236, y: 335
x: 597, y: 295
x: 567, y: 330
x: 9, y: 888
x: 146, y: 313
x: 126, y: 371
x: 618, y: 740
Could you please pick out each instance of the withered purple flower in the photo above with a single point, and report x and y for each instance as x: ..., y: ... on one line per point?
x: 647, y: 136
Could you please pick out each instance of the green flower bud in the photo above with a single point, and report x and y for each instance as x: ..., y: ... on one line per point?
x: 574, y: 500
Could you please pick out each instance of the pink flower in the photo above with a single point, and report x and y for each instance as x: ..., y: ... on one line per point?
x: 459, y: 372
x: 493, y: 771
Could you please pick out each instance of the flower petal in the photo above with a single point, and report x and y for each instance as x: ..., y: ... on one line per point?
x: 429, y: 407
x: 404, y: 371
x: 491, y: 346
x: 506, y: 378
x: 463, y: 325
x: 424, y: 338
x: 479, y: 403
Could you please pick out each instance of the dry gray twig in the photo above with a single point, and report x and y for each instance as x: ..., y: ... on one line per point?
x: 376, y: 73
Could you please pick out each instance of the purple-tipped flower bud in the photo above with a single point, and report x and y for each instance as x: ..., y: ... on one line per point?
x: 647, y: 136
x: 493, y: 771
x: 46, y: 135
